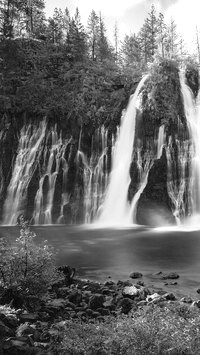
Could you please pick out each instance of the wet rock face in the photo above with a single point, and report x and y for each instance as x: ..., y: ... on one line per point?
x: 161, y: 110
x: 154, y: 205
x: 192, y: 77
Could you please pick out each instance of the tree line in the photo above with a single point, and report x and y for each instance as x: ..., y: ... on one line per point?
x: 59, y: 68
x: 26, y: 18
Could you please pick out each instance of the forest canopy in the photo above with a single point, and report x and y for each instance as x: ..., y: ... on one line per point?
x: 60, y: 69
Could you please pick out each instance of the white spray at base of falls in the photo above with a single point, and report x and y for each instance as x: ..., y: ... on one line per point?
x: 192, y: 112
x: 115, y: 209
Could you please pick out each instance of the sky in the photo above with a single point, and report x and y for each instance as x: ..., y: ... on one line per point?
x: 130, y: 14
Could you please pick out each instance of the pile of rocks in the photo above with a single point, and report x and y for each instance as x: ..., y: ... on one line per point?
x: 33, y: 329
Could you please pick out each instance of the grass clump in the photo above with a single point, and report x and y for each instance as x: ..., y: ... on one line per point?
x: 171, y: 329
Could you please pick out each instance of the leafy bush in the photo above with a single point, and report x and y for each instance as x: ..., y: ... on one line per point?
x: 25, y: 264
x: 168, y: 329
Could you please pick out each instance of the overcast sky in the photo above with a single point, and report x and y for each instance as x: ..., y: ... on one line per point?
x: 130, y: 14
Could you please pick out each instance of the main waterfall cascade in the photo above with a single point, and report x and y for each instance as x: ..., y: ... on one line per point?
x: 115, y: 209
x: 106, y: 176
x: 192, y: 110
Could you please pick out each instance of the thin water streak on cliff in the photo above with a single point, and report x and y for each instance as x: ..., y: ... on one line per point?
x: 53, y: 160
x: 95, y: 173
x: 177, y: 163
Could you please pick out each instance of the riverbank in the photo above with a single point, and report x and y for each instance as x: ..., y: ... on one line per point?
x: 79, y: 316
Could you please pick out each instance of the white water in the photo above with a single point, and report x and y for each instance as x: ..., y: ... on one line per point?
x: 95, y: 174
x: 29, y: 152
x: 161, y: 140
x: 192, y: 111
x: 115, y: 210
x: 176, y: 178
x: 53, y: 160
x: 144, y: 166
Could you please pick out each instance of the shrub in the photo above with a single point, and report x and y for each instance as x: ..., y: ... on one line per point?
x: 25, y: 264
x: 170, y: 329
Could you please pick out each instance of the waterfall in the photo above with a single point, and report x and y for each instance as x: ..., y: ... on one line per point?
x: 143, y: 164
x: 29, y: 152
x: 192, y: 112
x: 161, y: 141
x: 59, y: 179
x: 95, y: 173
x: 177, y: 164
x: 53, y: 160
x: 115, y: 209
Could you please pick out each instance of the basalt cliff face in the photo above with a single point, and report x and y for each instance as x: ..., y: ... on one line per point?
x: 56, y: 169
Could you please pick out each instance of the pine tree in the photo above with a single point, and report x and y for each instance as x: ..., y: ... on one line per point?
x: 144, y: 42
x: 116, y: 40
x: 130, y: 50
x: 66, y: 22
x: 148, y: 36
x: 34, y: 12
x: 172, y: 40
x: 161, y: 34
x: 8, y: 13
x: 151, y: 23
x: 197, y: 43
x: 76, y: 39
x: 93, y: 34
x: 56, y: 26
x: 103, y: 48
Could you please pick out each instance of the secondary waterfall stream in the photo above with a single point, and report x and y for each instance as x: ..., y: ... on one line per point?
x: 29, y: 151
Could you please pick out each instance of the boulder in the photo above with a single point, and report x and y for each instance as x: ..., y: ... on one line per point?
x: 5, y: 331
x: 75, y: 297
x: 126, y: 305
x: 170, y: 276
x: 130, y: 291
x: 96, y: 301
x: 169, y: 296
x: 188, y: 300
x: 124, y: 283
x: 9, y: 320
x: 110, y: 303
x: 18, y: 347
x: 154, y: 298
x: 135, y: 275
x: 28, y: 317
x: 195, y: 304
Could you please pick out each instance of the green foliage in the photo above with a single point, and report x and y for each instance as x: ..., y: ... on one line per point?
x: 162, y: 99
x: 25, y: 264
x: 157, y: 330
